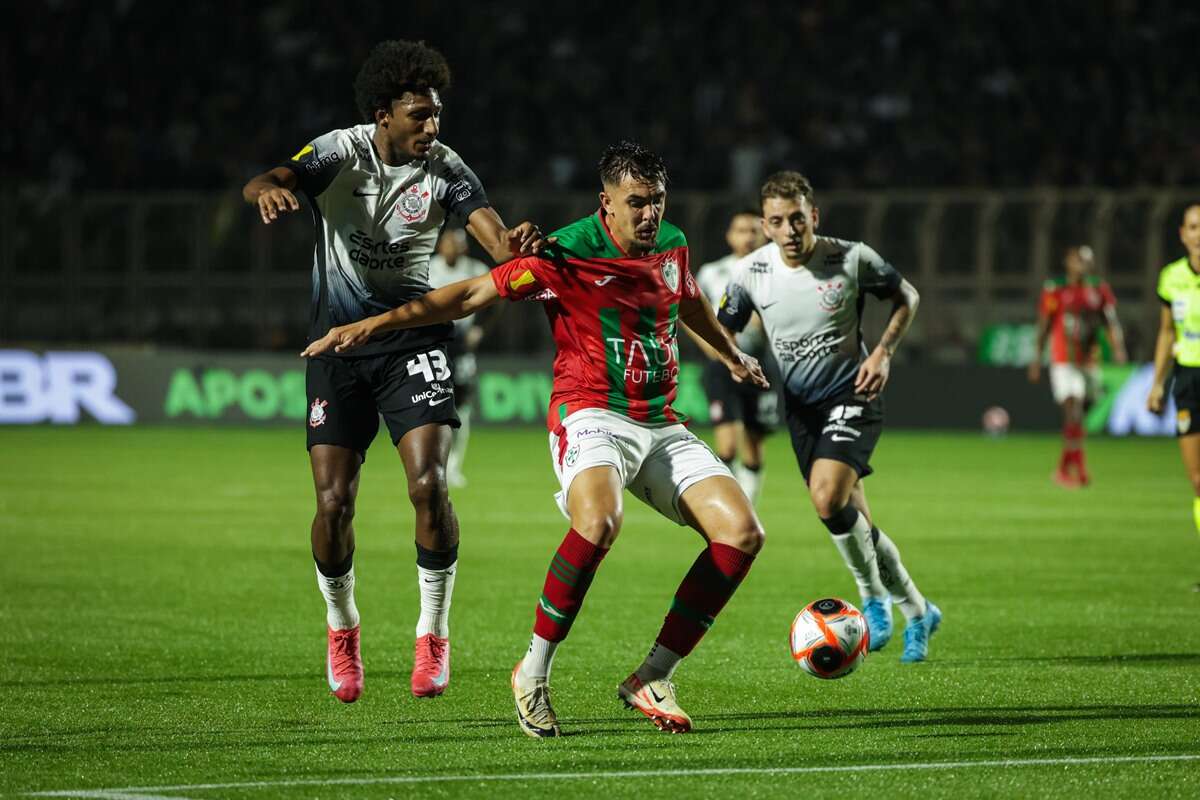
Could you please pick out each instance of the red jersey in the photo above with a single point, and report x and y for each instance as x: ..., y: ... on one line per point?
x: 613, y: 319
x: 1076, y: 313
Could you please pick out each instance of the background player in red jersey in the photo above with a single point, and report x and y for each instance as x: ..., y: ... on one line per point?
x: 613, y: 298
x: 1071, y: 312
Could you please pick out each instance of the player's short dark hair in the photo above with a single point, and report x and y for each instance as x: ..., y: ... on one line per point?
x: 746, y: 211
x: 788, y: 185
x: 631, y: 159
x: 395, y: 67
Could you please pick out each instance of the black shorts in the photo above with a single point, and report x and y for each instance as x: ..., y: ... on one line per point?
x: 346, y: 396
x: 845, y: 428
x: 729, y: 401
x: 1185, y: 390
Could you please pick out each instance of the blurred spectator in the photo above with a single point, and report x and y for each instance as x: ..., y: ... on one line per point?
x: 139, y: 94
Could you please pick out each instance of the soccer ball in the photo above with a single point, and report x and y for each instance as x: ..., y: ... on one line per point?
x: 829, y: 638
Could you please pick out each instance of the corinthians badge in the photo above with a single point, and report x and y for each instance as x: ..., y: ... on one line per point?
x: 414, y: 204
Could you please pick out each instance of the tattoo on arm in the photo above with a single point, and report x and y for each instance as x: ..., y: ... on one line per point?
x: 905, y: 307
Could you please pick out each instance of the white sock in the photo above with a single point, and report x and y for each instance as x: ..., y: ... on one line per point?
x: 859, y: 554
x: 660, y: 663
x: 750, y: 480
x: 538, y: 659
x: 895, y: 578
x: 437, y: 586
x: 340, y: 613
x: 458, y: 444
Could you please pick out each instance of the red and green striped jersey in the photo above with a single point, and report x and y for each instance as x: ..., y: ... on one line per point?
x: 613, y: 318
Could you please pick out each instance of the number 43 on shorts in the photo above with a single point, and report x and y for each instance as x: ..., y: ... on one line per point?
x: 432, y: 365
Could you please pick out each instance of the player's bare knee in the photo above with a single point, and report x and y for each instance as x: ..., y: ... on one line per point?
x: 335, y: 506
x: 428, y: 489
x: 599, y: 526
x: 1194, y: 477
x: 746, y: 535
x: 827, y: 499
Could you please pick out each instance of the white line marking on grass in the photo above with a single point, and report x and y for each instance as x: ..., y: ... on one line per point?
x: 105, y: 794
x: 141, y: 792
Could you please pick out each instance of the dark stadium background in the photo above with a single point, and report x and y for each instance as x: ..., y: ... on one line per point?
x: 967, y: 141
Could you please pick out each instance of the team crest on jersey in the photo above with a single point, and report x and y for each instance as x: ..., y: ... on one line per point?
x: 1184, y: 420
x: 316, y: 414
x: 832, y: 295
x: 670, y: 274
x: 414, y: 204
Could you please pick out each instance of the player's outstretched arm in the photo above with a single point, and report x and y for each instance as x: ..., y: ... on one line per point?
x: 697, y: 316
x: 1164, y: 348
x: 503, y: 243
x: 452, y: 301
x: 874, y: 371
x: 272, y: 192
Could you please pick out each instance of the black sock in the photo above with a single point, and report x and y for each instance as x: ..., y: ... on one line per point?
x: 335, y: 570
x: 436, y: 559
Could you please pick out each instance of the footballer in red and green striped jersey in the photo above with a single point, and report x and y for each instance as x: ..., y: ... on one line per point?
x: 616, y: 286
x: 613, y: 318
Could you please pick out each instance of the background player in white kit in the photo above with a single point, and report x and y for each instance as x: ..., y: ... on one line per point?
x: 379, y: 194
x: 809, y: 291
x: 742, y: 414
x: 451, y: 264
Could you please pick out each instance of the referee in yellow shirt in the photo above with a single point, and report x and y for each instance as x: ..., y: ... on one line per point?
x: 1179, y: 336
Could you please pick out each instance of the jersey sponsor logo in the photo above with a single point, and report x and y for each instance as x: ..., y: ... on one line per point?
x: 414, y: 204
x: 640, y: 364
x: 760, y: 267
x: 316, y: 165
x: 838, y: 423
x: 459, y: 190
x: 525, y: 278
x: 376, y: 255
x: 316, y: 413
x: 833, y: 294
x: 670, y: 274
x: 818, y: 345
x: 364, y: 152
x: 435, y: 395
x: 604, y: 280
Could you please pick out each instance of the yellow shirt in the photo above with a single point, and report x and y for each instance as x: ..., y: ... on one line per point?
x: 1179, y: 288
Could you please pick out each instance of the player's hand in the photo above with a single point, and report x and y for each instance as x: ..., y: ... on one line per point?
x: 1154, y: 402
x: 473, y: 338
x: 1035, y: 371
x: 527, y: 239
x: 747, y: 368
x: 275, y: 201
x: 873, y: 374
x: 340, y: 339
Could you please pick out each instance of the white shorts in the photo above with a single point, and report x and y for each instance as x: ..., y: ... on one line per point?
x: 1072, y: 380
x: 658, y: 464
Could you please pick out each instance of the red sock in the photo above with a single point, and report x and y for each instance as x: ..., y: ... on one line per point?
x: 567, y: 581
x: 705, y: 590
x: 1072, y: 447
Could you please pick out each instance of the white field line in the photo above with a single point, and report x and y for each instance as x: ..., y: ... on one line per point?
x: 150, y: 792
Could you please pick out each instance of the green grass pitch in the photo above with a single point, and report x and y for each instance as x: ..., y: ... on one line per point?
x: 161, y: 629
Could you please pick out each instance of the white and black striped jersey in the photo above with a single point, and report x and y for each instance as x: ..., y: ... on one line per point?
x: 812, y: 313
x: 377, y: 226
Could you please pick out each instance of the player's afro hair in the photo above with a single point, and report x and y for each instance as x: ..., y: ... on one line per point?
x: 631, y: 159
x: 787, y: 185
x: 395, y: 67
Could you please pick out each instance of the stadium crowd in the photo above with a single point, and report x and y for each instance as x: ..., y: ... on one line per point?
x: 134, y: 94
